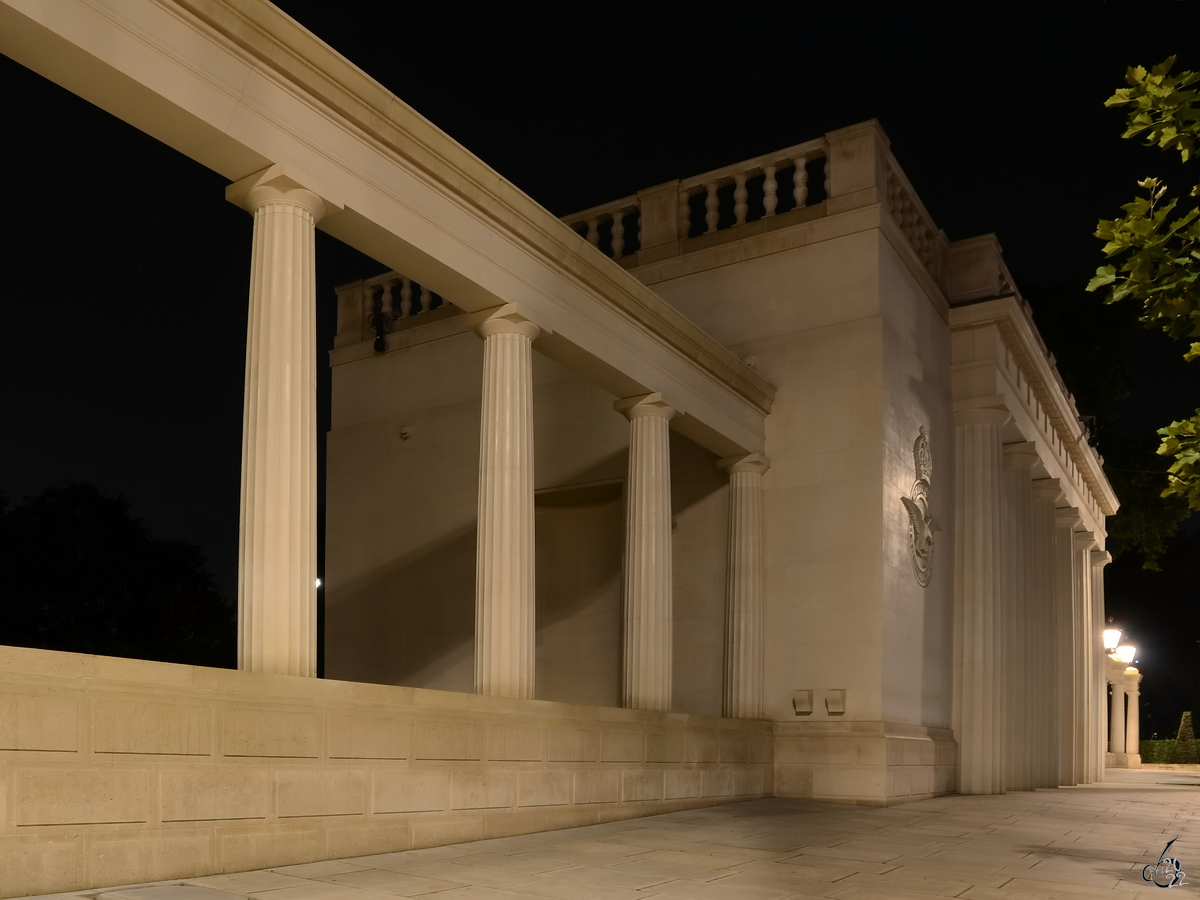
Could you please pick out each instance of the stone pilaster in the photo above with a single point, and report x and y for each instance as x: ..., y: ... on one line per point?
x: 1099, y: 559
x: 277, y: 554
x: 979, y: 626
x: 505, y: 602
x: 1045, y: 644
x: 743, y: 682
x: 1065, y: 522
x: 1087, y: 692
x: 1019, y: 634
x: 648, y: 613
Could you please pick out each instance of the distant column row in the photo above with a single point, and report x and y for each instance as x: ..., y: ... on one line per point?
x: 1029, y: 679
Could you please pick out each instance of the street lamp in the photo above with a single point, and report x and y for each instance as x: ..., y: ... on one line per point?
x: 1125, y: 653
x: 1112, y: 637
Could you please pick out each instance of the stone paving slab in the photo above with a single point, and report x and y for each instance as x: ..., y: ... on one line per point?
x: 1064, y: 844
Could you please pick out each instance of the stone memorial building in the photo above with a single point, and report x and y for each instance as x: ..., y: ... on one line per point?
x: 749, y: 484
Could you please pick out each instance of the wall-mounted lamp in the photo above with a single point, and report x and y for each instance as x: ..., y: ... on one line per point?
x: 1112, y: 637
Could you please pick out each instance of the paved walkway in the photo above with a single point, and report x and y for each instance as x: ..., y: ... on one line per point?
x: 1069, y: 843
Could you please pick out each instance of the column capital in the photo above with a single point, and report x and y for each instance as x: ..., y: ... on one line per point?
x: 508, y: 319
x: 280, y: 182
x: 750, y: 462
x: 1085, y: 540
x: 645, y: 405
x: 1047, y: 489
x: 1068, y: 515
x: 1022, y: 454
x: 1100, y: 556
x: 982, y: 415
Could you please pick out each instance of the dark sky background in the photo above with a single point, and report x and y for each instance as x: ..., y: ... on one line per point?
x: 126, y: 271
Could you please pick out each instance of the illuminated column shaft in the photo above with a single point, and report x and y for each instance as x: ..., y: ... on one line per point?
x: 647, y: 608
x: 1086, y: 690
x: 1044, y: 644
x: 1065, y: 522
x: 1099, y: 559
x: 979, y: 626
x: 1020, y: 715
x: 1116, y: 718
x: 743, y: 682
x: 277, y: 558
x: 1133, y: 746
x: 505, y: 601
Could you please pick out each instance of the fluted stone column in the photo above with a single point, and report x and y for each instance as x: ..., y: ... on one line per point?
x: 1019, y: 633
x: 1045, y: 644
x: 277, y: 555
x: 505, y: 602
x: 1116, y: 718
x: 1099, y: 559
x: 648, y: 613
x: 1087, y: 707
x: 1065, y: 522
x: 743, y: 598
x: 979, y: 625
x: 1133, y: 744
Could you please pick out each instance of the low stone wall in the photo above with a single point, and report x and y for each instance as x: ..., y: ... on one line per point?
x: 120, y: 771
x: 865, y: 763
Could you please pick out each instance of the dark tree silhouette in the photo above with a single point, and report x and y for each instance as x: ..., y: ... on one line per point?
x: 82, y: 574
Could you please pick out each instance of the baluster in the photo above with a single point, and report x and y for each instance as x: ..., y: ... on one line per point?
x: 593, y: 234
x: 800, y: 181
x: 770, y: 186
x: 894, y: 202
x: 711, y: 203
x: 618, y: 235
x: 740, y: 196
x: 827, y: 181
x: 685, y: 213
x: 405, y: 297
x: 385, y: 304
x: 369, y: 300
x: 426, y: 299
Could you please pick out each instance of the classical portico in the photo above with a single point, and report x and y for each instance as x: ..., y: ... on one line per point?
x: 752, y: 483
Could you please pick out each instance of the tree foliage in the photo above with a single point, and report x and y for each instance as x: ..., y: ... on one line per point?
x: 82, y: 574
x: 1156, y: 244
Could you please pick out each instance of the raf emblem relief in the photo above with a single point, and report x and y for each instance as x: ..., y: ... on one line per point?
x: 921, y: 523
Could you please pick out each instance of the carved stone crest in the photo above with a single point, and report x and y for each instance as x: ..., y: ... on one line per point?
x: 921, y: 523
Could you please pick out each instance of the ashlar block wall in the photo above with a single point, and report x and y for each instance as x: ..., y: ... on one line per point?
x: 118, y: 771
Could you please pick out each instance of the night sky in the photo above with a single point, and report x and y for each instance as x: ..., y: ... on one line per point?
x: 126, y: 271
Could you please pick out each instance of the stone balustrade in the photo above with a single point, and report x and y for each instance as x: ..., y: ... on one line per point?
x: 374, y: 307
x: 724, y: 198
x: 914, y: 220
x: 613, y: 227
x: 706, y: 206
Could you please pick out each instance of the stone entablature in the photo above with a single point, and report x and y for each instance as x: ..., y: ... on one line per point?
x: 1001, y: 360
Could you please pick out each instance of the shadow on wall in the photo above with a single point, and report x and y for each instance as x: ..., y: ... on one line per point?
x: 411, y: 622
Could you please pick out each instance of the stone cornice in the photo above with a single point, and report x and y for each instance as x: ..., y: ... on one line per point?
x: 1019, y: 335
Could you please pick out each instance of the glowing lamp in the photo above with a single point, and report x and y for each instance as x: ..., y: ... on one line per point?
x: 1112, y: 637
x: 1125, y: 653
